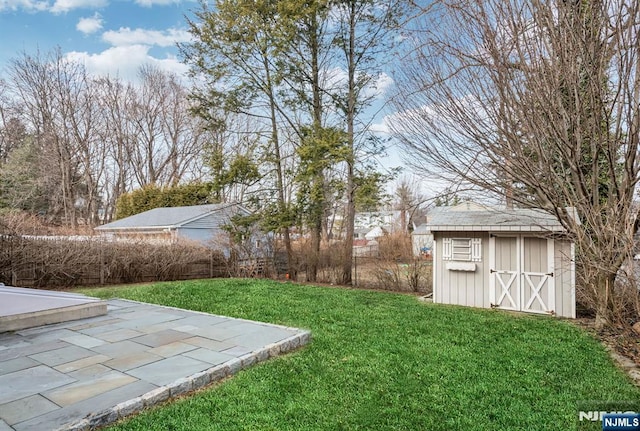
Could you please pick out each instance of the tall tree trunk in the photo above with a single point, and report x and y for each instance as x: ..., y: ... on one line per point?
x: 351, y: 114
x: 603, y: 285
x: 316, y: 226
x: 275, y: 141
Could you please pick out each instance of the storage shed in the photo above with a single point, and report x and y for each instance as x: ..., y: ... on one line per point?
x: 512, y: 259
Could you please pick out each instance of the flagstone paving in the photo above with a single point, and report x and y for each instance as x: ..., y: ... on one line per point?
x: 87, y: 373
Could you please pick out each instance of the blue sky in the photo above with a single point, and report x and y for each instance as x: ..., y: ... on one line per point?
x: 116, y: 37
x: 108, y: 36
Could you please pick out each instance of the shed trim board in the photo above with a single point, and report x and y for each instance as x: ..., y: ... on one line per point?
x: 434, y: 272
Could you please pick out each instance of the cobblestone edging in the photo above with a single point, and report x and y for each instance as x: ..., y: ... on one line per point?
x: 627, y: 365
x: 188, y: 384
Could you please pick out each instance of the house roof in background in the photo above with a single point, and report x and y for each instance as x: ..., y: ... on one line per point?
x: 171, y: 217
x: 493, y: 219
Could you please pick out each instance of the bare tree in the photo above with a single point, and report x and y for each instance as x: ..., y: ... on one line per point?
x: 96, y: 138
x: 41, y: 83
x: 407, y: 201
x: 538, y: 101
x: 79, y: 114
x: 236, y: 49
x: 148, y: 157
x: 12, y: 130
x: 167, y: 140
x: 183, y: 134
x: 365, y: 32
x: 115, y: 101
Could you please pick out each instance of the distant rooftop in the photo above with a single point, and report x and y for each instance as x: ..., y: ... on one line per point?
x: 165, y: 217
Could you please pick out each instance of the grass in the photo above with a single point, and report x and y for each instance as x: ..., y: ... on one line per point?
x: 383, y: 361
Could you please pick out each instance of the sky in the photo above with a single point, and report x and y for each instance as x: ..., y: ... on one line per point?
x: 116, y: 37
x: 113, y: 37
x: 109, y: 36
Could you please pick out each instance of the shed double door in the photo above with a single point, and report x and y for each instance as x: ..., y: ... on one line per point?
x: 521, y: 276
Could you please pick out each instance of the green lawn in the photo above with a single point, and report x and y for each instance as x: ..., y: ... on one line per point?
x: 386, y: 361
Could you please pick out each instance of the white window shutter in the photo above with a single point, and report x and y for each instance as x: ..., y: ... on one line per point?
x: 476, y: 249
x: 446, y: 249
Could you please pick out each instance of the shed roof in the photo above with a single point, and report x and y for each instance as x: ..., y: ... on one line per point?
x: 173, y: 217
x: 494, y: 220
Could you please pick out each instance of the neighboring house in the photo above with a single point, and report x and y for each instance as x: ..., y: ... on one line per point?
x: 421, y: 241
x: 360, y: 234
x: 513, y: 259
x: 200, y: 223
x: 422, y: 238
x: 391, y: 220
x: 375, y: 233
x: 369, y: 234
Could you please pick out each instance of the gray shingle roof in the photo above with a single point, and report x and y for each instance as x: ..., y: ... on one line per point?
x: 500, y: 220
x: 167, y: 217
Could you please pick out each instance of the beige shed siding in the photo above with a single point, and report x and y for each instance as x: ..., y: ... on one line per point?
x: 535, y: 259
x: 472, y: 288
x: 564, y: 278
x: 462, y: 287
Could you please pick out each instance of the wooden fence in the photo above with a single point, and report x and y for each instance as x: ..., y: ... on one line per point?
x: 40, y: 262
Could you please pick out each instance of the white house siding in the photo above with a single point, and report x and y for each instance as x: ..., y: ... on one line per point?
x: 470, y: 288
x: 420, y: 240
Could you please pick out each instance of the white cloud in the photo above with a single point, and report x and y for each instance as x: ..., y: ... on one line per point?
x: 58, y: 6
x: 336, y: 78
x: 382, y: 127
x: 29, y: 5
x: 90, y: 25
x: 124, y: 62
x: 404, y: 121
x: 149, y: 3
x: 126, y: 36
x: 62, y: 6
x: 378, y: 88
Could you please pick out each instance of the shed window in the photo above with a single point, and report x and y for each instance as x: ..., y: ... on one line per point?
x: 462, y: 249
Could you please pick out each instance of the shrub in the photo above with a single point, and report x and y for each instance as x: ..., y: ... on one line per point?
x: 153, y: 196
x: 41, y: 262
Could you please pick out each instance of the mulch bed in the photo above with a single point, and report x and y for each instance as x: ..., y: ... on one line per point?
x: 621, y: 339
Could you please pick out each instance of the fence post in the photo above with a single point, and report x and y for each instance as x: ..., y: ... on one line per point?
x: 14, y: 274
x: 355, y: 270
x: 101, y: 263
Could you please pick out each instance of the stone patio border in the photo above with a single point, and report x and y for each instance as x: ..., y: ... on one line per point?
x: 194, y: 382
x: 188, y: 384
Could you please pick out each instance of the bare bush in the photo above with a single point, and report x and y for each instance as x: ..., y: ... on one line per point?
x: 327, y: 263
x: 398, y: 269
x: 418, y: 275
x: 387, y: 276
x: 626, y: 300
x: 396, y: 246
x: 40, y: 262
x: 393, y: 268
x: 414, y: 276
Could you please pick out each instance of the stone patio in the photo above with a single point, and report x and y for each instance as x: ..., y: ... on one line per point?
x: 86, y: 373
